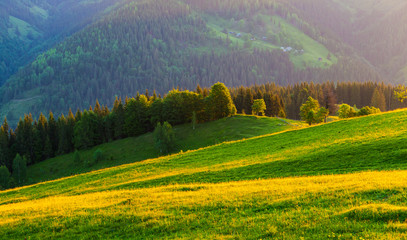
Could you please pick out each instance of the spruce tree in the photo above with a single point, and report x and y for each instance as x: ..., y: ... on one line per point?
x: 4, y: 177
x: 63, y: 145
x: 118, y: 119
x: 248, y: 101
x: 53, y: 133
x: 4, y: 146
x: 378, y: 100
x: 20, y: 169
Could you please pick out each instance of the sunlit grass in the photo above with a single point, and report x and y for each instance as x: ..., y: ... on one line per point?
x: 342, y: 180
x: 316, y: 207
x: 140, y: 148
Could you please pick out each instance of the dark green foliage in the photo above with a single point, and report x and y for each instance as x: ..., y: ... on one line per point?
x: 98, y: 156
x: 248, y: 101
x: 53, y: 133
x: 194, y: 120
x: 164, y: 138
x: 156, y: 111
x: 137, y: 120
x: 12, y: 183
x: 178, y: 106
x: 18, y: 48
x: 4, y: 177
x: 118, y: 118
x: 20, y: 169
x: 310, y: 117
x: 77, y: 158
x: 89, y: 162
x: 47, y: 148
x: 5, y: 151
x: 87, y: 132
x: 25, y: 138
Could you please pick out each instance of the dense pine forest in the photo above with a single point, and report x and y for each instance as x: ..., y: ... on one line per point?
x: 168, y: 44
x: 28, y: 28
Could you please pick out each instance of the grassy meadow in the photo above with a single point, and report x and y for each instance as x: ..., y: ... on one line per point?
x: 313, y: 50
x: 341, y: 180
x: 140, y: 148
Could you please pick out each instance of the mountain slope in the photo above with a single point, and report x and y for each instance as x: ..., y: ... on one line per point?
x: 374, y: 30
x: 164, y: 44
x: 29, y: 27
x: 189, y: 204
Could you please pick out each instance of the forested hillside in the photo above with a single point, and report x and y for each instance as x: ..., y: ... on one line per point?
x: 28, y: 27
x: 375, y: 30
x: 159, y: 45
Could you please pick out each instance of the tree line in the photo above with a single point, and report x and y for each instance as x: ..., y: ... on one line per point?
x: 36, y: 140
x: 289, y: 99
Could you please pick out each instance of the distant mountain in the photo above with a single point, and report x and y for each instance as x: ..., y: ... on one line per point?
x: 164, y: 44
x: 375, y: 29
x: 28, y: 27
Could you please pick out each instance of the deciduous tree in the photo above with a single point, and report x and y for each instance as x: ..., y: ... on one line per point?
x: 259, y: 106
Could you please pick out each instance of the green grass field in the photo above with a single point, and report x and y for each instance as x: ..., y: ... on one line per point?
x: 342, y: 180
x: 313, y: 50
x: 140, y: 148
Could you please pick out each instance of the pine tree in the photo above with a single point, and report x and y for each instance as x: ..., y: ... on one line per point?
x: 378, y: 100
x: 248, y: 101
x: 239, y: 103
x: 63, y: 145
x: 53, y: 133
x: 20, y: 169
x: 98, y: 108
x: 48, y: 153
x: 282, y: 114
x: 4, y: 146
x: 118, y: 119
x: 38, y: 146
x: 199, y: 90
x: 4, y: 177
x: 70, y: 131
